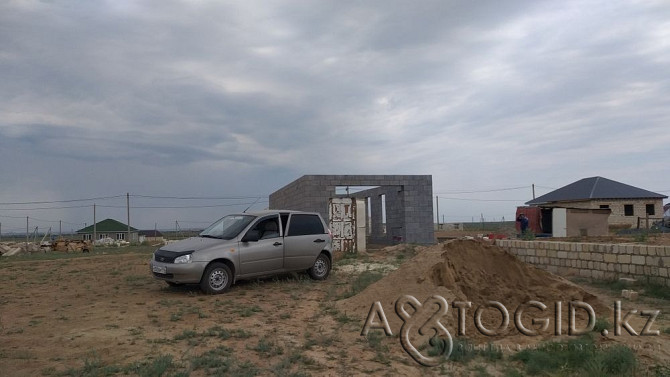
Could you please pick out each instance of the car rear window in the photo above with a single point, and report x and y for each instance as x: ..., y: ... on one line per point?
x: 301, y: 225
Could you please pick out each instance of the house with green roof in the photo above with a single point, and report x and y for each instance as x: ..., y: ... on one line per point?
x: 108, y: 228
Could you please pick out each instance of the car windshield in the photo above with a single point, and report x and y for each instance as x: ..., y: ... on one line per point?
x: 228, y: 227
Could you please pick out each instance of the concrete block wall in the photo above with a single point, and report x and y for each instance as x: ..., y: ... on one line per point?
x: 409, y: 202
x: 596, y: 261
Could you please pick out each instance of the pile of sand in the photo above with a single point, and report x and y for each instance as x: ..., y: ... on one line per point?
x: 474, y: 271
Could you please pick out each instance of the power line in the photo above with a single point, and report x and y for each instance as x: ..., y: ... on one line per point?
x: 44, y: 208
x: 481, y: 191
x: 178, y: 207
x: 196, y: 197
x: 486, y: 200
x: 62, y: 201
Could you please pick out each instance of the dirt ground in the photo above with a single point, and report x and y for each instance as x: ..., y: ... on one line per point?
x: 104, y: 314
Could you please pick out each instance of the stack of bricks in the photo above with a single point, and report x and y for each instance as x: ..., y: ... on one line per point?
x: 596, y: 261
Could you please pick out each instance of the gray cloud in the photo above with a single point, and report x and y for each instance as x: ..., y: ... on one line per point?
x: 185, y: 98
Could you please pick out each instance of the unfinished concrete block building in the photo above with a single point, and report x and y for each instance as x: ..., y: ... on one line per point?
x: 399, y: 208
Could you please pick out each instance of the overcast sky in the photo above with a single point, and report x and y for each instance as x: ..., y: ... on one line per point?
x: 239, y: 98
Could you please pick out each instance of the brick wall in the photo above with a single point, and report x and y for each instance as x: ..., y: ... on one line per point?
x: 597, y: 261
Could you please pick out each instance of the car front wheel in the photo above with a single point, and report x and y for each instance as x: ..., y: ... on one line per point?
x: 217, y: 279
x: 321, y: 268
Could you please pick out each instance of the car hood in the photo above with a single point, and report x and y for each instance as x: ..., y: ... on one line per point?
x: 193, y: 244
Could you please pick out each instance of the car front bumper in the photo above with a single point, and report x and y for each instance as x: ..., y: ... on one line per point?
x: 182, y: 273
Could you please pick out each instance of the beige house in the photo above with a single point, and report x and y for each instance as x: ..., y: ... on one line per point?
x: 629, y: 205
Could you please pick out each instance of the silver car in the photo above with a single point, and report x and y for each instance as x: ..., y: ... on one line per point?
x: 247, y: 245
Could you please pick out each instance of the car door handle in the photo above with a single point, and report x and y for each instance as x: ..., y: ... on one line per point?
x: 277, y: 244
x: 319, y: 240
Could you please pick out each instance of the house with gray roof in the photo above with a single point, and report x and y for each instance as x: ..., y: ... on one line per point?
x: 627, y: 203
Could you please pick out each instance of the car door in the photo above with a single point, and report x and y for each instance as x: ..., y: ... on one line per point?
x: 266, y: 254
x: 304, y: 239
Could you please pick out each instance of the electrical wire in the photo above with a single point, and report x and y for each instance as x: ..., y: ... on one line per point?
x: 485, y: 200
x: 447, y: 192
x: 195, y: 197
x: 62, y: 201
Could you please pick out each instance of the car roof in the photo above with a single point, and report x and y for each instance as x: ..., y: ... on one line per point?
x: 273, y: 211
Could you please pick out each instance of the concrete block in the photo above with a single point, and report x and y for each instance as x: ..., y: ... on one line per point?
x: 610, y: 258
x: 637, y: 259
x: 585, y: 273
x: 563, y: 254
x: 596, y: 257
x: 625, y: 293
x: 633, y: 296
x: 653, y: 261
x: 624, y: 258
x: 663, y: 272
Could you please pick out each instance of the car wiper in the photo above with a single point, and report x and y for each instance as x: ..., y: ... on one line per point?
x: 210, y: 236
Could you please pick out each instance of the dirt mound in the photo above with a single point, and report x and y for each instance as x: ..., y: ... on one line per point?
x: 477, y: 272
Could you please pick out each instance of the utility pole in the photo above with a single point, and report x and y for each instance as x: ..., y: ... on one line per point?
x: 95, y: 226
x: 128, y: 210
x: 27, y: 233
x: 0, y: 231
x: 60, y: 228
x: 437, y: 204
x: 533, y: 191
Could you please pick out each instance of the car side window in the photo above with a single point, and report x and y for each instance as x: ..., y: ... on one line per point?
x: 301, y: 225
x: 268, y: 228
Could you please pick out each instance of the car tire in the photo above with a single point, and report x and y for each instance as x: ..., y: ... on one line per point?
x: 216, y: 279
x: 321, y: 267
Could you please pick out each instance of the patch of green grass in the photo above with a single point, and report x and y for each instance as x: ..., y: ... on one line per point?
x: 647, y: 289
x: 93, y: 367
x: 266, y: 347
x: 580, y: 357
x: 376, y: 342
x: 657, y: 290
x: 221, y: 361
x: 463, y: 351
x: 602, y: 324
x: 666, y: 330
x: 186, y: 334
x: 157, y: 367
x: 361, y: 282
x: 248, y: 311
x: 176, y: 316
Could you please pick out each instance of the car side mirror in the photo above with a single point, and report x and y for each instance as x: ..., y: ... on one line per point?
x: 252, y: 236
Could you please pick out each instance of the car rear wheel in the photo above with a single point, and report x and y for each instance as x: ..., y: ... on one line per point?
x: 217, y: 279
x: 321, y: 268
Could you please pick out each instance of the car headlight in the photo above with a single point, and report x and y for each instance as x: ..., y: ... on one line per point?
x: 183, y: 259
